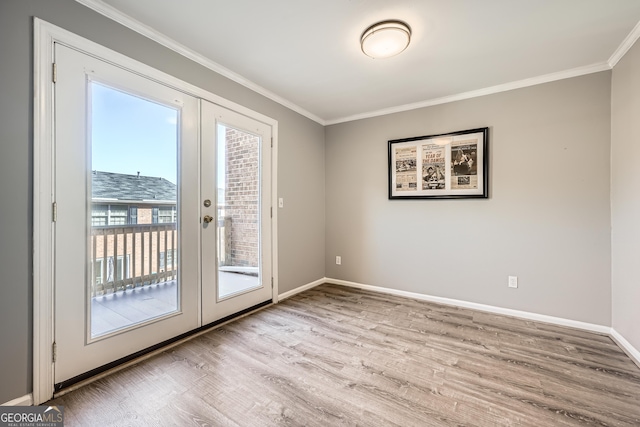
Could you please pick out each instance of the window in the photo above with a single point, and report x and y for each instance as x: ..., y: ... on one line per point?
x: 99, y: 215
x: 166, y: 214
x: 133, y: 214
x: 171, y: 255
x: 122, y: 274
x: 118, y: 214
x: 102, y: 215
x: 98, y: 269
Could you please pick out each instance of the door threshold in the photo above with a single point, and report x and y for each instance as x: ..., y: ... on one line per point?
x: 64, y: 387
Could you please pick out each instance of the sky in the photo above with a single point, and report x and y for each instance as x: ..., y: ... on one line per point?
x: 131, y: 134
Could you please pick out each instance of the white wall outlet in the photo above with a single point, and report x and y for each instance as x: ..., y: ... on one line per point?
x: 338, y: 260
x: 281, y: 202
x: 513, y: 281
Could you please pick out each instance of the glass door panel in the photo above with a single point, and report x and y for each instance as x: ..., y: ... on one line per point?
x: 133, y: 222
x: 238, y: 191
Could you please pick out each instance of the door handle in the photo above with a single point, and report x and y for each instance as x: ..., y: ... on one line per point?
x: 207, y: 219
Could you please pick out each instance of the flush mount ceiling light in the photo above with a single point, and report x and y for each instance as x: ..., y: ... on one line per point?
x: 385, y: 39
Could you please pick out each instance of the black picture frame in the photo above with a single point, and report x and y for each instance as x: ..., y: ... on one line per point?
x: 452, y: 165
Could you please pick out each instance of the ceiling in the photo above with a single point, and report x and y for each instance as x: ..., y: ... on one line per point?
x: 306, y: 54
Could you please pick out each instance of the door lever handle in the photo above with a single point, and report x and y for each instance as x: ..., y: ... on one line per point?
x: 207, y: 219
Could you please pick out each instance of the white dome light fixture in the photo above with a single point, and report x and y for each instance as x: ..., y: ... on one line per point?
x: 385, y: 39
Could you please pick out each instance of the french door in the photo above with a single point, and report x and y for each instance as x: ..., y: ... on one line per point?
x: 236, y: 252
x: 161, y: 210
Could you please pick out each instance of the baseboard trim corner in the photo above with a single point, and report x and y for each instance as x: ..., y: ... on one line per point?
x: 591, y: 327
x: 302, y: 288
x: 26, y: 400
x: 626, y: 346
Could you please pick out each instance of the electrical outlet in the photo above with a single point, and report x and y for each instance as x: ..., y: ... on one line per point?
x: 281, y: 202
x: 513, y: 281
x: 338, y: 260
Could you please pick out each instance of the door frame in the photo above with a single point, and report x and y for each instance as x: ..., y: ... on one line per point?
x: 45, y: 36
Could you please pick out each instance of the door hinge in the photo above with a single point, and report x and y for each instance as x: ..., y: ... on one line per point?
x: 54, y: 72
x: 271, y: 142
x: 271, y: 212
x: 272, y: 283
x: 54, y: 211
x: 54, y: 351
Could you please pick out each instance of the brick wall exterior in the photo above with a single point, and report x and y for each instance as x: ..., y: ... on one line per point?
x: 242, y: 196
x: 145, y: 215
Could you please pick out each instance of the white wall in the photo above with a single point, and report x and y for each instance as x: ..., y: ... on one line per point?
x: 547, y: 219
x: 625, y: 196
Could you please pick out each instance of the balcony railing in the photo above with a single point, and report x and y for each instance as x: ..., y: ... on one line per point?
x: 129, y: 256
x: 136, y: 255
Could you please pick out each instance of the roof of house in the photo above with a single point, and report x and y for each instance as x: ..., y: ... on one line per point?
x: 118, y: 186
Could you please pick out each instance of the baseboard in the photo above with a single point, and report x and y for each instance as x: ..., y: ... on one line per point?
x: 26, y: 400
x: 302, y: 288
x: 591, y: 327
x: 626, y: 346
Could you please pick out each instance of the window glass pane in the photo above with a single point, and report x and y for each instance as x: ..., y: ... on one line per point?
x: 166, y: 214
x: 99, y: 215
x: 97, y: 271
x: 134, y: 146
x: 133, y: 215
x: 238, y: 238
x: 118, y: 215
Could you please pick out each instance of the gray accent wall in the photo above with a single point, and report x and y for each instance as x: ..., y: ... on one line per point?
x: 625, y: 196
x: 547, y: 219
x: 300, y: 177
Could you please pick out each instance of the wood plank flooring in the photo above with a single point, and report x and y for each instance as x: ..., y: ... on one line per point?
x: 338, y: 356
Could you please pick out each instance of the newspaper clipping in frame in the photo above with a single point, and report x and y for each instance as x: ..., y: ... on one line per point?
x: 433, y: 167
x: 464, y: 165
x: 406, y: 163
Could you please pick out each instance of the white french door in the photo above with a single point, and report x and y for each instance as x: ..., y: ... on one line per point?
x: 161, y: 210
x: 98, y: 153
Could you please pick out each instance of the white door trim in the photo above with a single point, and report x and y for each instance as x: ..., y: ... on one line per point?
x: 42, y: 213
x: 45, y: 35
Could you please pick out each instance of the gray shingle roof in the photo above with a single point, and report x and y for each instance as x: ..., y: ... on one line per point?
x: 108, y: 185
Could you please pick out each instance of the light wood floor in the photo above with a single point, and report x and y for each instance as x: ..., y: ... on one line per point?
x: 337, y: 356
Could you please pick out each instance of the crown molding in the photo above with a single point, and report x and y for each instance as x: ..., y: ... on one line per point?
x: 567, y: 74
x: 131, y: 23
x: 624, y: 47
x: 137, y: 26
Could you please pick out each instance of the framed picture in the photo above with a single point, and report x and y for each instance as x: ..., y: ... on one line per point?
x: 448, y: 166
